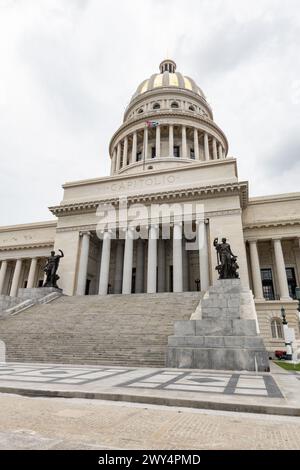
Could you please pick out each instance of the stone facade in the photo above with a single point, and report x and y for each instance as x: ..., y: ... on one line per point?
x: 167, y: 151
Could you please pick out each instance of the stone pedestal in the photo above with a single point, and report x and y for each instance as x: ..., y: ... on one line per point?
x: 36, y: 292
x: 224, y: 338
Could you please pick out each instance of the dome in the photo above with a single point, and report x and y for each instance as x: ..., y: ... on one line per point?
x: 168, y: 78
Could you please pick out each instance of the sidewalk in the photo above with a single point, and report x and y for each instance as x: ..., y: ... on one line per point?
x: 277, y: 392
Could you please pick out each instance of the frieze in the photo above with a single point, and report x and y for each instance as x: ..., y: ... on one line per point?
x: 141, y: 183
x: 92, y: 227
x: 210, y: 191
x: 26, y: 246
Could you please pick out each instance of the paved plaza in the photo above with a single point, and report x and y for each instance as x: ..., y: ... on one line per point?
x: 59, y: 423
x: 277, y: 392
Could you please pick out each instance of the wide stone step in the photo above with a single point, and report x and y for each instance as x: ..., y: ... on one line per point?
x: 114, y: 330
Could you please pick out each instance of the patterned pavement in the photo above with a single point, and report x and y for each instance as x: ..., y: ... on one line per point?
x: 205, y: 382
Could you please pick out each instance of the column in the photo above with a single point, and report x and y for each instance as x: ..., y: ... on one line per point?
x: 183, y: 136
x: 105, y: 261
x: 2, y: 275
x: 177, y: 258
x: 215, y: 154
x: 32, y: 273
x: 139, y: 278
x: 185, y: 267
x: 118, y: 276
x: 152, y: 259
x: 113, y: 163
x: 196, y: 144
x: 128, y: 256
x: 161, y: 266
x: 171, y: 141
x: 125, y: 152
x: 220, y: 149
x: 118, y: 162
x: 157, y: 143
x: 83, y: 263
x: 203, y: 256
x: 280, y: 269
x: 134, y: 147
x: 255, y: 270
x: 16, y: 279
x: 145, y: 143
x: 206, y: 147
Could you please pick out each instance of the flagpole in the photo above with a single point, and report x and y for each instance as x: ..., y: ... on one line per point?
x: 144, y: 150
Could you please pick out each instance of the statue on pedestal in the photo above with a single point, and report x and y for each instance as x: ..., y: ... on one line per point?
x: 227, y: 262
x: 51, y: 268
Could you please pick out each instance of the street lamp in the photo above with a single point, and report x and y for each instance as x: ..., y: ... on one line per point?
x: 297, y: 294
x: 287, y: 336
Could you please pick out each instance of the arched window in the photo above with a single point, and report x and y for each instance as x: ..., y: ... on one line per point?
x: 156, y: 106
x: 140, y: 111
x: 276, y: 328
x: 192, y: 108
x: 174, y: 105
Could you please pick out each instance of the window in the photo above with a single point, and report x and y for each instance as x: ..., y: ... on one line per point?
x: 174, y: 105
x: 192, y: 108
x: 153, y: 152
x: 192, y: 154
x: 139, y: 156
x: 267, y: 284
x: 276, y: 328
x: 140, y: 111
x: 156, y: 106
x: 176, y: 151
x: 291, y: 279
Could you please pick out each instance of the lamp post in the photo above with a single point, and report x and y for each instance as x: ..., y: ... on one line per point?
x: 287, y: 336
x: 297, y: 293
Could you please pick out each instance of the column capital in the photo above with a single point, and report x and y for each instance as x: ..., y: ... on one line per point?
x: 276, y: 239
x: 82, y: 233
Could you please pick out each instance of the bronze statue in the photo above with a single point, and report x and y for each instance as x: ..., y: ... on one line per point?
x: 51, y: 269
x: 227, y: 262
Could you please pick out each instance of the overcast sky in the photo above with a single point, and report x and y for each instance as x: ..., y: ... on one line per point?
x: 69, y: 67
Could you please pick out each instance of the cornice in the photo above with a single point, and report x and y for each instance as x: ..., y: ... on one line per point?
x: 274, y: 198
x: 93, y: 227
x: 30, y: 226
x: 208, y: 191
x: 166, y: 114
x: 26, y: 246
x: 270, y: 223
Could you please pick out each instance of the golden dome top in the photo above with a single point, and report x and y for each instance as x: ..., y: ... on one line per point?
x: 168, y: 78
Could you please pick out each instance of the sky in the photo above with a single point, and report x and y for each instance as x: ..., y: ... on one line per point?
x: 68, y: 69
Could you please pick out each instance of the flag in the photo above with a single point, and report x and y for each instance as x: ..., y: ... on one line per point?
x: 152, y: 123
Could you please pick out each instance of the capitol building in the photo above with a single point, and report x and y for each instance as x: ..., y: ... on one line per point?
x: 168, y: 152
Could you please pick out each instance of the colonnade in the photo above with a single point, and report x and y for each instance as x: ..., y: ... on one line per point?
x: 16, y: 278
x: 156, y: 269
x: 280, y: 268
x: 124, y: 154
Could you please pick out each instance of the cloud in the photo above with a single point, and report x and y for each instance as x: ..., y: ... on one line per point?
x: 70, y: 67
x: 285, y: 157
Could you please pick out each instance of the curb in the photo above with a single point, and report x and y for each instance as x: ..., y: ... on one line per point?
x: 157, y: 400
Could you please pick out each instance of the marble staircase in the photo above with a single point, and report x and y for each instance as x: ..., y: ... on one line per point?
x: 128, y: 330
